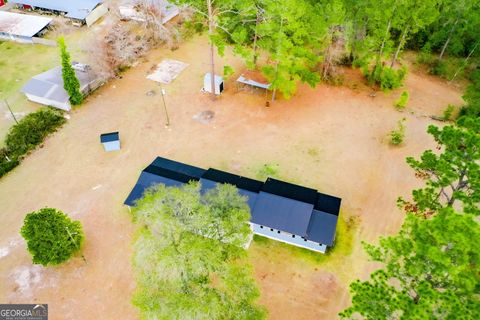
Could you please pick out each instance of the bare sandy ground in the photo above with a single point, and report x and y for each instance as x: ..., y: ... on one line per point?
x: 330, y: 138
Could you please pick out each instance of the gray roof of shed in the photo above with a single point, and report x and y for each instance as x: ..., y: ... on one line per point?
x: 76, y: 9
x: 23, y: 25
x: 49, y: 84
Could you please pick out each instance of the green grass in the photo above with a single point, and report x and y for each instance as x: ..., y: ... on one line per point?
x: 342, y: 248
x: 267, y: 170
x: 19, y: 62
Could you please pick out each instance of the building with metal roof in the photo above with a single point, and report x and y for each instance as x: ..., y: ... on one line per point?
x: 22, y: 27
x: 82, y: 11
x: 47, y: 88
x: 110, y: 141
x: 280, y: 210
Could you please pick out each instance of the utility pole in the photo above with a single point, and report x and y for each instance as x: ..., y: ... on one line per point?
x: 11, y: 112
x: 167, y: 123
x: 212, y: 47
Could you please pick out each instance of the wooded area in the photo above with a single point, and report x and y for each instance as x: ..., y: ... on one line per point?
x: 303, y: 40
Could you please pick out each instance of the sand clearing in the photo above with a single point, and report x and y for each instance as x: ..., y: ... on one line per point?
x: 329, y: 138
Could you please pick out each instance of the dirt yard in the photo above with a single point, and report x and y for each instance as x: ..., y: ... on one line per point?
x: 330, y: 138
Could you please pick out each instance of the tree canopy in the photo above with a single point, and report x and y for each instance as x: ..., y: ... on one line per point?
x: 453, y: 175
x: 51, y: 236
x: 293, y: 41
x: 431, y: 271
x: 431, y: 268
x: 189, y: 256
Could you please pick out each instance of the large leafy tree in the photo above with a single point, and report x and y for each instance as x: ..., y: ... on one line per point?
x: 431, y: 271
x: 453, y: 175
x: 70, y: 80
x: 189, y: 256
x: 52, y: 237
x: 456, y: 29
x: 411, y: 17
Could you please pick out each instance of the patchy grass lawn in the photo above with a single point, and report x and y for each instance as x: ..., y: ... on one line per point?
x: 276, y: 250
x: 18, y: 63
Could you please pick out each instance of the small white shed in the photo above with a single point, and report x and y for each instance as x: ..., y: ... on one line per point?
x: 207, y: 83
x: 110, y: 141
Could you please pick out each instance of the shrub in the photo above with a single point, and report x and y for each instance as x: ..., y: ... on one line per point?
x: 398, y: 135
x: 448, y: 112
x: 6, y: 162
x: 472, y: 97
x: 268, y: 170
x: 32, y: 130
x: 27, y: 135
x: 401, y: 103
x: 51, y: 236
x: 392, y: 79
x: 387, y: 78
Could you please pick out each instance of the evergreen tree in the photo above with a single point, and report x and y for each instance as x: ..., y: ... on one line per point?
x: 52, y: 237
x: 453, y: 176
x: 70, y: 81
x: 431, y: 270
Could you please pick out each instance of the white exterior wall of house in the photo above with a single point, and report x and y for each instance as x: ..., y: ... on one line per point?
x: 287, y: 238
x: 11, y: 37
x: 111, y: 145
x: 64, y: 106
x: 96, y: 14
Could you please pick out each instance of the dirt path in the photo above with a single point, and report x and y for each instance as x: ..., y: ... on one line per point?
x: 330, y: 138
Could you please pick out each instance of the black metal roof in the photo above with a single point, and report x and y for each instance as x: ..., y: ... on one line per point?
x: 179, y: 167
x: 109, y: 137
x: 145, y: 181
x: 290, y: 190
x: 322, y: 227
x: 236, y: 180
x: 274, y: 204
x: 282, y: 213
x: 328, y: 203
x: 207, y: 184
x: 174, y: 175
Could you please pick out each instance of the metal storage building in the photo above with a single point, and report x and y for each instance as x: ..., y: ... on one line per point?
x: 22, y: 27
x: 80, y: 11
x: 110, y: 141
x: 47, y: 88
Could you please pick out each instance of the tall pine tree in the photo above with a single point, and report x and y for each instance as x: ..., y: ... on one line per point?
x: 70, y: 81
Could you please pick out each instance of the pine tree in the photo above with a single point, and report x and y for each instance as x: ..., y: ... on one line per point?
x: 70, y: 81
